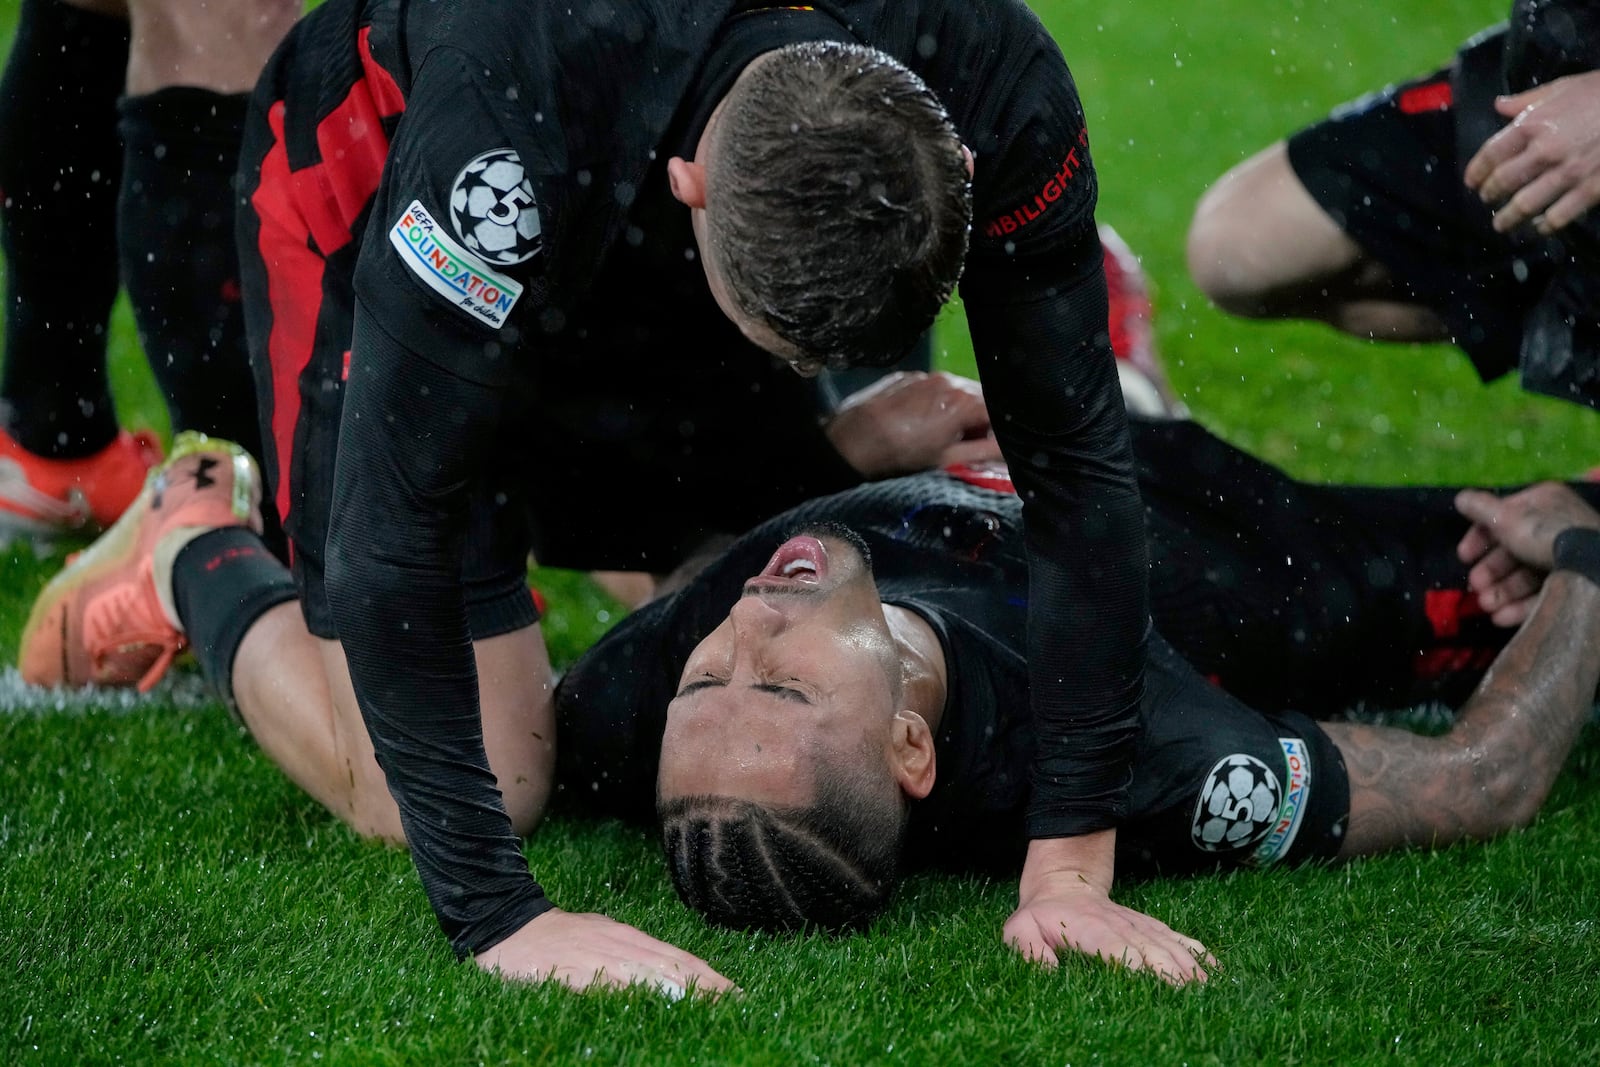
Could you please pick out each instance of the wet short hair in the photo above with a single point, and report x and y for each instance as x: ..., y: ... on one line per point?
x: 831, y: 866
x: 838, y: 202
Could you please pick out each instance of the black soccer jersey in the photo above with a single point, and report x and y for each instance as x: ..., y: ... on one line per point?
x: 1550, y: 39
x: 1214, y: 783
x: 519, y: 239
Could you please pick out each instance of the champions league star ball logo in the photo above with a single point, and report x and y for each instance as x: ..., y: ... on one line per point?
x: 493, y: 209
x: 1238, y: 804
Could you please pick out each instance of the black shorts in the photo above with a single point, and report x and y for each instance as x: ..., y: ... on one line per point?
x: 1312, y: 597
x: 1217, y: 784
x: 1388, y: 169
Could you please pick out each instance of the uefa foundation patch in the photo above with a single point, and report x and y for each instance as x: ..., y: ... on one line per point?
x: 1238, y: 804
x: 450, y: 270
x: 1298, y: 756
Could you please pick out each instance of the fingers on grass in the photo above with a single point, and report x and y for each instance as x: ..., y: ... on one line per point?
x: 1033, y: 949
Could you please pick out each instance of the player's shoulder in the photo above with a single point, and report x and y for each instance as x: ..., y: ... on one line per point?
x: 964, y: 49
x: 502, y: 34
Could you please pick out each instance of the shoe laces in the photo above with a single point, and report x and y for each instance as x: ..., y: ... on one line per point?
x: 119, y: 622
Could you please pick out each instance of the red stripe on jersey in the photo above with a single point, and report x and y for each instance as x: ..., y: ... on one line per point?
x: 1448, y: 608
x: 996, y: 476
x: 1435, y: 96
x: 294, y: 292
x: 1433, y: 664
x: 380, y: 83
x: 352, y: 145
x: 318, y: 204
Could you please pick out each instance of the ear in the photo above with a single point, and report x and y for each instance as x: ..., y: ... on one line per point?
x: 966, y: 155
x: 911, y: 756
x: 687, y: 181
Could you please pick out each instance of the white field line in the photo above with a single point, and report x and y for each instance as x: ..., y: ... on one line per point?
x: 185, y: 690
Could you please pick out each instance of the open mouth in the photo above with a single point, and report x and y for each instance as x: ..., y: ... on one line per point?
x: 799, y: 561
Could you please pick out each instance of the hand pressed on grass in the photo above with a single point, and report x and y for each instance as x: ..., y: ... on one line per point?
x: 1064, y: 902
x: 588, y: 950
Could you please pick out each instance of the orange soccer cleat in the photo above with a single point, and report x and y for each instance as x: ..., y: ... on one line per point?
x: 1145, y: 388
x: 42, y: 496
x: 103, y: 620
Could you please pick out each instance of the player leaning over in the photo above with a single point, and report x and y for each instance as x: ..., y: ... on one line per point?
x: 471, y: 277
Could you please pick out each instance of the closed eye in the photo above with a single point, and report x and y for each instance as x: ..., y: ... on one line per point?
x: 696, y: 686
x: 783, y: 692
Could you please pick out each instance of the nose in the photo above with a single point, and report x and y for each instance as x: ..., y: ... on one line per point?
x: 753, y: 617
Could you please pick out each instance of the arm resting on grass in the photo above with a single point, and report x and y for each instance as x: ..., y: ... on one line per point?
x: 1056, y: 407
x: 1493, y: 770
x: 412, y: 433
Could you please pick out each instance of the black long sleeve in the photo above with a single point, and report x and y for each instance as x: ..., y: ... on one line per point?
x: 1550, y: 39
x: 410, y: 437
x: 1051, y: 383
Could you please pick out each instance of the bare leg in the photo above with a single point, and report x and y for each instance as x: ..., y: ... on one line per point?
x: 295, y: 695
x: 221, y: 45
x: 1260, y: 246
x: 1493, y: 770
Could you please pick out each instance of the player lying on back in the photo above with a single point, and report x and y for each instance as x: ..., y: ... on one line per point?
x: 840, y: 696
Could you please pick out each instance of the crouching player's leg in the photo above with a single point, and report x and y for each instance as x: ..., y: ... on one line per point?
x: 1361, y: 221
x: 1492, y: 771
x: 190, y: 70
x: 186, y: 566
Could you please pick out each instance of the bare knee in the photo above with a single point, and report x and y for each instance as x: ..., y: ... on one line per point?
x: 527, y: 793
x: 1260, y: 245
x: 1214, y: 248
x: 517, y: 689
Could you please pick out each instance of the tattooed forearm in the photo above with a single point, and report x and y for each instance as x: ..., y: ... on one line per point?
x: 1492, y: 771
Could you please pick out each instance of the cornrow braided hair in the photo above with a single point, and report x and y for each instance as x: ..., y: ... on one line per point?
x: 752, y: 867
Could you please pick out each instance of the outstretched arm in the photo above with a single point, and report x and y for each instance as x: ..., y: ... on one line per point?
x: 1492, y: 771
x: 412, y: 435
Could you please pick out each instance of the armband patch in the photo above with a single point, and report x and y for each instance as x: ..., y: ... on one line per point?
x: 1239, y: 804
x: 493, y: 209
x: 1281, y: 839
x: 461, y: 278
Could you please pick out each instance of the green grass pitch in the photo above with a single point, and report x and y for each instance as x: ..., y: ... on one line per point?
x: 167, y: 896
